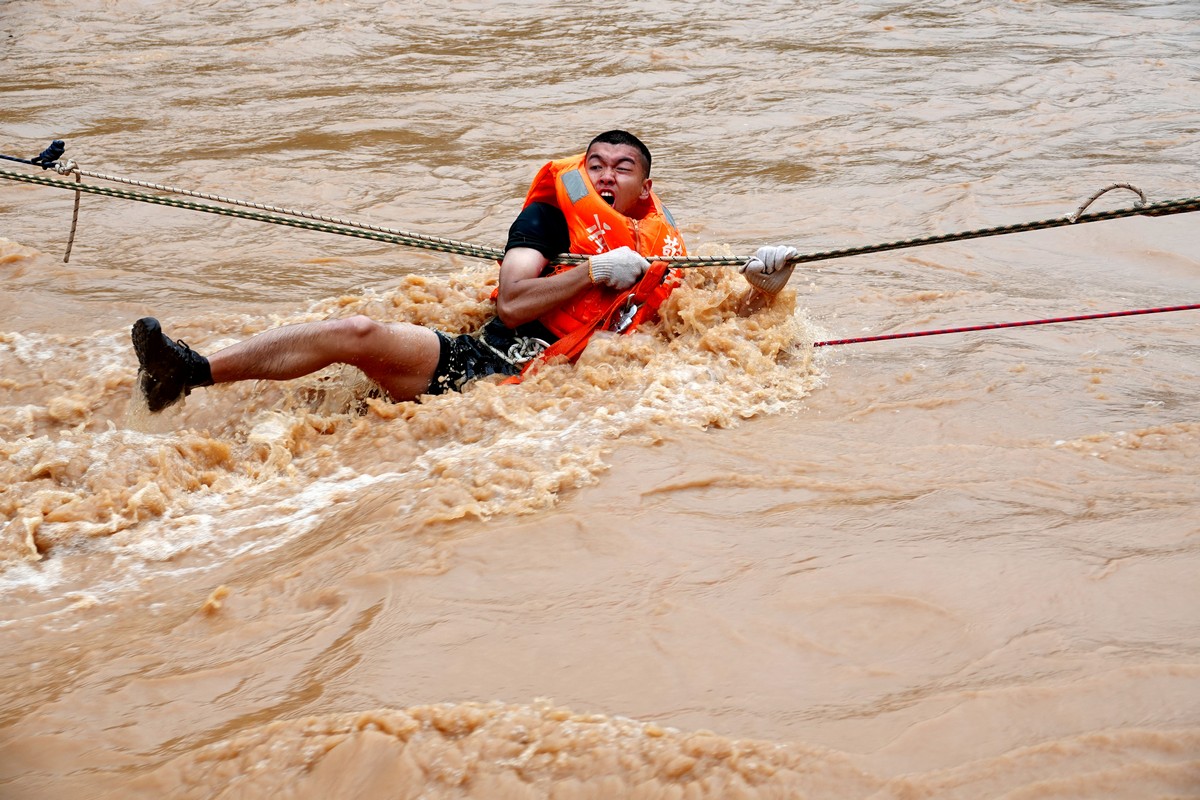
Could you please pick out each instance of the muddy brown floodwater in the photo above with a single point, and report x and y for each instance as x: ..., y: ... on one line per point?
x: 710, y: 560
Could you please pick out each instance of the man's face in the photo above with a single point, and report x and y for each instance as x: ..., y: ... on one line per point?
x: 617, y: 174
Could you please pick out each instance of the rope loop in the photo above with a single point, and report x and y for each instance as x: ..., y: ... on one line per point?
x: 1141, y: 203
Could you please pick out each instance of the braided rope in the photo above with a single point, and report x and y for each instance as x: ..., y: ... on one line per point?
x: 377, y: 233
x: 1159, y: 209
x: 371, y: 233
x: 437, y: 240
x: 74, y: 220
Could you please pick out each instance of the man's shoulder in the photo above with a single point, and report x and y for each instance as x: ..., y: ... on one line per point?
x: 543, y: 213
x: 541, y: 226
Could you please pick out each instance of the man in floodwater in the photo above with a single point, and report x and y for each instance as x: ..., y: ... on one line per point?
x: 598, y: 204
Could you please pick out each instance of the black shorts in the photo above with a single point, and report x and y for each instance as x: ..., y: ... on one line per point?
x: 495, y: 350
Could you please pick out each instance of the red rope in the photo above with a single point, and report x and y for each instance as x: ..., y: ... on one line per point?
x: 994, y: 326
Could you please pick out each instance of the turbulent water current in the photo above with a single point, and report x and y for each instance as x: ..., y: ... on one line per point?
x: 708, y: 561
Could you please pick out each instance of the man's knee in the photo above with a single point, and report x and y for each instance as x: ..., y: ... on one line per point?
x: 361, y: 340
x: 357, y: 328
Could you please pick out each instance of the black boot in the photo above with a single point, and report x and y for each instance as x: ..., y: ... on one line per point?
x: 167, y: 370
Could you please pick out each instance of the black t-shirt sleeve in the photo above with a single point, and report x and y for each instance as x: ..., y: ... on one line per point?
x: 542, y: 227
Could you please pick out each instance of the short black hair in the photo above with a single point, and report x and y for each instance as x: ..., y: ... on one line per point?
x: 624, y: 137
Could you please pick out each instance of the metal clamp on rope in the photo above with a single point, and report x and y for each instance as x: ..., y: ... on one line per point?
x: 625, y: 317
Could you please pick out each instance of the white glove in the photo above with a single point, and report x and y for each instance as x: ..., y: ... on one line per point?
x: 620, y: 268
x: 768, y: 269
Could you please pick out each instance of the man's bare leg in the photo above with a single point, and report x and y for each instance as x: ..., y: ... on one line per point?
x: 399, y: 356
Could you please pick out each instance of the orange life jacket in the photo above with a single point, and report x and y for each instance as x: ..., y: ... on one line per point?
x: 595, y: 227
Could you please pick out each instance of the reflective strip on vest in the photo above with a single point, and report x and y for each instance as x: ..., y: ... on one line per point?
x: 574, y: 184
